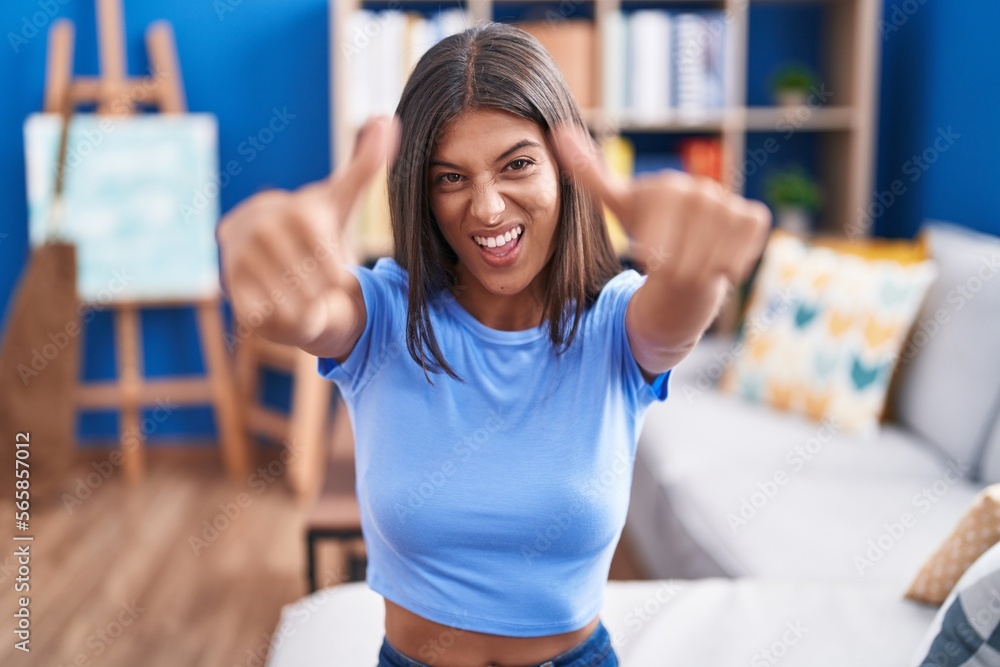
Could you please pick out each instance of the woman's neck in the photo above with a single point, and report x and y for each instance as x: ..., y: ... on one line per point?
x: 514, y: 312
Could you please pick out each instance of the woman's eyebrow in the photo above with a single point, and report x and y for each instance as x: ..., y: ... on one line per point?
x: 523, y: 143
x: 516, y: 147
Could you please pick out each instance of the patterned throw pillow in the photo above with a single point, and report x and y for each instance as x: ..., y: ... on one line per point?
x: 966, y: 630
x: 978, y: 530
x: 823, y: 330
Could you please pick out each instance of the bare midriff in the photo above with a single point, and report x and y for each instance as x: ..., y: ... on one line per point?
x: 445, y: 646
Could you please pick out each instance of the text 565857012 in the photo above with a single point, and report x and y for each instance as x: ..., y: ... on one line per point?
x: 22, y: 549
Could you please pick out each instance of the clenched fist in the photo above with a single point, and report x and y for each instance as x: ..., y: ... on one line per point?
x: 695, y: 239
x: 689, y: 227
x: 283, y: 253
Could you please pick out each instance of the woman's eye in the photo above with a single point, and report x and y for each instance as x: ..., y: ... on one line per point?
x: 519, y: 164
x: 449, y: 178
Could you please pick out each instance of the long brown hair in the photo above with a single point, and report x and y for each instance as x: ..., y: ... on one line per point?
x: 502, y: 67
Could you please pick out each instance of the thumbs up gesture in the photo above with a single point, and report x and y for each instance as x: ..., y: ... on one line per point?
x: 283, y: 253
x: 695, y: 239
x: 688, y: 228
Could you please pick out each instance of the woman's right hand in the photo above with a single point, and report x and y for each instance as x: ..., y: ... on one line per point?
x: 283, y: 253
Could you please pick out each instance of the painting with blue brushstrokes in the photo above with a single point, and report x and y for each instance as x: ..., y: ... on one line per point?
x: 140, y: 200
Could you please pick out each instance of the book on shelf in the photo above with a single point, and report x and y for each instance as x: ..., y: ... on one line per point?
x: 649, y: 163
x: 696, y: 156
x: 699, y: 62
x: 381, y: 48
x: 620, y: 156
x: 659, y: 65
x: 702, y: 157
x: 648, y: 64
x: 571, y: 45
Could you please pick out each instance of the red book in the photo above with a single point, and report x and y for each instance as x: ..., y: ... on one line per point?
x: 702, y: 157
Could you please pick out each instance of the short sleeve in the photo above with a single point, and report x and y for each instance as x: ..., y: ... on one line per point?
x: 640, y: 392
x: 376, y: 344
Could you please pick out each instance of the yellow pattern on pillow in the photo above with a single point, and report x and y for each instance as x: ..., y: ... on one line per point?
x: 823, y: 331
x: 903, y: 251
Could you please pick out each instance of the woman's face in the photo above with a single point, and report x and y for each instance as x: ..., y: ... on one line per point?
x: 493, y: 176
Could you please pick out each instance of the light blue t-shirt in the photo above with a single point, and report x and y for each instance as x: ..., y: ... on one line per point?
x: 495, y: 505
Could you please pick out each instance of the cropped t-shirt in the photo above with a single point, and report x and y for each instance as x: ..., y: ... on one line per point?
x: 494, y: 505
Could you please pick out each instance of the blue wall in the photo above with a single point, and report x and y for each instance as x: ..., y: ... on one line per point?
x: 941, y: 70
x: 240, y: 59
x: 243, y: 58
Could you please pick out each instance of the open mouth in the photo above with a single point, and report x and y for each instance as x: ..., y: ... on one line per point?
x: 502, y: 244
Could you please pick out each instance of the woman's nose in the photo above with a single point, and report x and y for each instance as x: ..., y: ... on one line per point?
x: 487, y: 204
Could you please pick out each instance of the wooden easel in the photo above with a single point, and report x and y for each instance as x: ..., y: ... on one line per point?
x: 307, y: 428
x: 117, y: 94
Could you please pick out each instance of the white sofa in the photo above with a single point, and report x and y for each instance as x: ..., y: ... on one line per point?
x: 705, y: 623
x: 723, y: 487
x: 785, y: 588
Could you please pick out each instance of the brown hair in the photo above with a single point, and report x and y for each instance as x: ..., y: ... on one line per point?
x: 502, y: 67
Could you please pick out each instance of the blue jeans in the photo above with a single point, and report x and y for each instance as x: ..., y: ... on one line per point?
x: 594, y: 651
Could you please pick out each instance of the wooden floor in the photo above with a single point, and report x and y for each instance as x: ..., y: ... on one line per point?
x: 122, y: 579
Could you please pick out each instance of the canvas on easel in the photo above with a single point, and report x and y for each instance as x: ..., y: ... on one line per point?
x: 141, y: 202
x: 125, y: 204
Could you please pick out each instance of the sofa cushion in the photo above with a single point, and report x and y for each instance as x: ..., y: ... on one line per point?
x: 823, y: 331
x: 660, y: 622
x: 746, y: 622
x: 948, y: 381
x: 966, y: 630
x: 725, y: 487
x: 978, y: 530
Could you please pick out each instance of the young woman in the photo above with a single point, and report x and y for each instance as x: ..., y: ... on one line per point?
x: 497, y: 369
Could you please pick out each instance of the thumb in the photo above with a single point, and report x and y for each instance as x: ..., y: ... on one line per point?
x: 377, y: 144
x: 582, y: 159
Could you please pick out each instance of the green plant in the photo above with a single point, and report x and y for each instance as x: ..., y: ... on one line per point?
x: 792, y: 187
x: 793, y: 77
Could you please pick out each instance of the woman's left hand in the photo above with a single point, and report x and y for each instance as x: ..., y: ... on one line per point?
x: 690, y: 228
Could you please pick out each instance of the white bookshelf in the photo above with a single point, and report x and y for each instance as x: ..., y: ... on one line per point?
x: 845, y: 124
